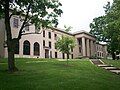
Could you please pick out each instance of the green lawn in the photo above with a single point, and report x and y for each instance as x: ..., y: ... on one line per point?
x: 43, y: 74
x: 113, y: 62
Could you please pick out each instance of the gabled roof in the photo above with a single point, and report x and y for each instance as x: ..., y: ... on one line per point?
x: 75, y: 33
x: 63, y: 31
x: 81, y: 32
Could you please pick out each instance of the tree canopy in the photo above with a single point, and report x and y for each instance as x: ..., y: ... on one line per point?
x: 41, y: 13
x: 107, y: 28
x: 65, y: 44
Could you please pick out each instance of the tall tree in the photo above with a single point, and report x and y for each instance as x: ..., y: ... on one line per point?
x: 41, y: 13
x: 98, y: 28
x: 107, y: 28
x: 65, y: 44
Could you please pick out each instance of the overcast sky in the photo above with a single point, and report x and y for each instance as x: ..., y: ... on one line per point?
x: 80, y: 13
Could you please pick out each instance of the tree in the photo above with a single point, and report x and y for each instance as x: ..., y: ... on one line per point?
x: 107, y: 28
x: 67, y: 28
x: 41, y: 13
x: 98, y: 28
x: 65, y: 44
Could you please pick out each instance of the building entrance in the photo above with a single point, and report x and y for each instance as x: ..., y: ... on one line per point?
x: 46, y: 53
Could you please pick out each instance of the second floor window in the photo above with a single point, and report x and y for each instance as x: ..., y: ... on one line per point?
x: 55, y: 36
x: 49, y: 34
x: 55, y: 46
x: 27, y: 27
x: 43, y: 33
x: 15, y: 22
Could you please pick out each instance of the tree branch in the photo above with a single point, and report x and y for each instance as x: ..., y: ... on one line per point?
x: 20, y: 32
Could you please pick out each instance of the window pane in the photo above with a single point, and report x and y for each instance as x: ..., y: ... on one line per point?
x: 36, y: 49
x: 55, y: 54
x: 43, y: 33
x: 49, y: 34
x: 43, y: 42
x: 27, y: 27
x: 15, y: 22
x: 49, y: 44
x: 55, y: 36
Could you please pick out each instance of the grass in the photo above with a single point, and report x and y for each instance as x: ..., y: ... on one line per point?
x: 43, y: 74
x: 113, y: 62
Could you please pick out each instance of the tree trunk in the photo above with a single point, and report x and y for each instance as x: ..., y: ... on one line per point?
x: 67, y: 58
x: 10, y: 42
x: 11, y: 60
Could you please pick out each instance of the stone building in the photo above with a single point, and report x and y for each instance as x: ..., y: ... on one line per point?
x: 42, y: 43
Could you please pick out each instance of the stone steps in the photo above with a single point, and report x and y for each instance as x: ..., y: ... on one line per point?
x: 104, y: 65
x: 97, y: 62
x: 110, y: 68
x: 115, y: 71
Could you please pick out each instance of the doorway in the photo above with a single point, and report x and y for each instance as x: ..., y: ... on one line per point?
x: 46, y: 53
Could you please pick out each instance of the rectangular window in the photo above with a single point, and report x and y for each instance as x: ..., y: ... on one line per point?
x: 79, y: 49
x: 49, y: 34
x: 55, y: 36
x: 102, y: 55
x: 55, y: 54
x: 55, y: 46
x: 15, y: 22
x: 98, y: 54
x: 43, y: 43
x: 79, y: 41
x: 43, y: 33
x: 49, y: 44
x: 27, y: 27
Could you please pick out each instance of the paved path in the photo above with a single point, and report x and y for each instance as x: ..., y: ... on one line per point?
x: 101, y: 64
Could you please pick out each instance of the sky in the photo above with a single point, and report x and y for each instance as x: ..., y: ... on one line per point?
x: 80, y: 13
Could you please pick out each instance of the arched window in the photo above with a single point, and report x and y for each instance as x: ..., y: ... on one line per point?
x: 26, y: 48
x: 36, y: 49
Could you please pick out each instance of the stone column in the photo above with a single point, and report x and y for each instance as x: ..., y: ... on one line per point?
x: 92, y: 48
x: 21, y: 49
x: 88, y: 48
x: 31, y: 50
x: 83, y: 47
